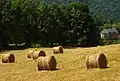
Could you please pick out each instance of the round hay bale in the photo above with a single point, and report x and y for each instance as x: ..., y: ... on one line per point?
x: 37, y: 53
x: 96, y: 61
x: 30, y: 53
x: 8, y: 58
x: 57, y: 50
x: 98, y: 46
x: 46, y: 63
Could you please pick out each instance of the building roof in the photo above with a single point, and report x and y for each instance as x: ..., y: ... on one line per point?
x: 109, y: 30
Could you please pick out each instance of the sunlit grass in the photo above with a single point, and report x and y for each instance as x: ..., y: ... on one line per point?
x: 71, y: 66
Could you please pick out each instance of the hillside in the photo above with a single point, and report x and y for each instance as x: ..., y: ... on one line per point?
x: 109, y: 8
x: 71, y: 66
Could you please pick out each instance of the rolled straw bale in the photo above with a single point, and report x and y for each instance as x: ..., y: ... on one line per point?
x: 38, y: 53
x: 96, y: 61
x: 8, y: 58
x: 30, y: 53
x: 46, y: 63
x: 57, y: 50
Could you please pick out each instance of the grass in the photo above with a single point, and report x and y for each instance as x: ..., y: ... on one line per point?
x: 71, y: 66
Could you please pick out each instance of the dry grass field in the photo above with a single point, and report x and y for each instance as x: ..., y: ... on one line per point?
x: 70, y: 64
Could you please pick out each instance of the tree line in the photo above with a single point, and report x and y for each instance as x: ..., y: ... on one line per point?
x: 33, y: 22
x: 109, y: 8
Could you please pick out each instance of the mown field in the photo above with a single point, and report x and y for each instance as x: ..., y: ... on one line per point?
x: 71, y: 66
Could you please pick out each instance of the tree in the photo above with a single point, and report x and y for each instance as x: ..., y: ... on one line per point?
x: 4, y: 20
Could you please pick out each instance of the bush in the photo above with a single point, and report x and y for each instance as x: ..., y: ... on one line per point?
x: 107, y: 42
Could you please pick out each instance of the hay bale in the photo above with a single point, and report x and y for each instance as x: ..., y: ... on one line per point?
x: 37, y: 54
x: 98, y: 46
x: 46, y: 63
x: 8, y: 58
x: 96, y: 61
x: 57, y: 50
x: 30, y: 53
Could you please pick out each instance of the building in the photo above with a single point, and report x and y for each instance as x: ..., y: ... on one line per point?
x: 109, y: 34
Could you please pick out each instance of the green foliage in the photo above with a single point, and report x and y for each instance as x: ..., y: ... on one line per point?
x: 106, y: 26
x: 108, y: 42
x: 109, y: 8
x: 32, y: 22
x: 4, y: 22
x: 110, y: 25
x: 118, y: 26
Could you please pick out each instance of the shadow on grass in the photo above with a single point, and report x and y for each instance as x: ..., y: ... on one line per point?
x: 51, y: 69
x: 78, y: 46
x: 105, y: 68
x: 15, y: 48
x: 96, y: 68
x: 69, y: 47
x: 56, y: 69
